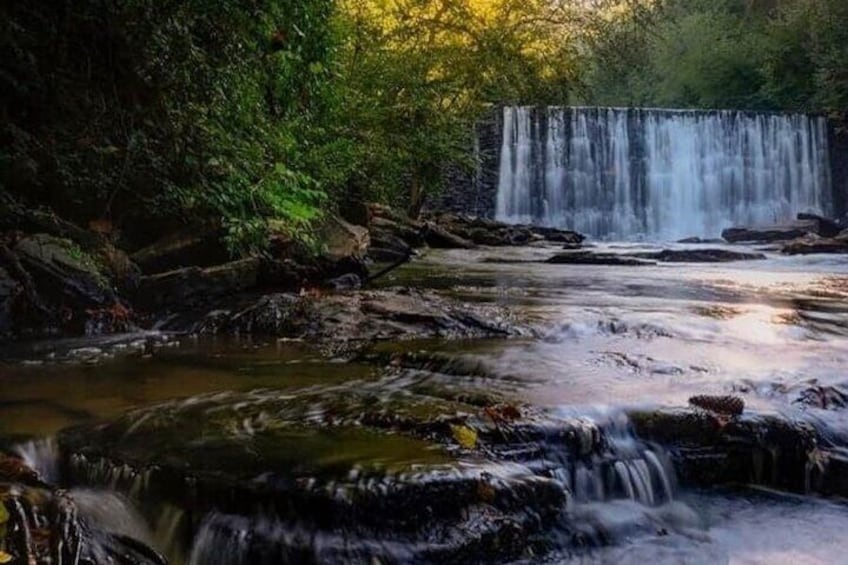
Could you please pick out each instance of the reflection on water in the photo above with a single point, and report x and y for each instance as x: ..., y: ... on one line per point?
x: 40, y: 400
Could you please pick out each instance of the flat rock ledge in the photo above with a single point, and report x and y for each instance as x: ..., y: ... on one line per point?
x: 355, y: 316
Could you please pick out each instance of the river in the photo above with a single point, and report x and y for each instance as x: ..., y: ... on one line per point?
x: 598, y: 342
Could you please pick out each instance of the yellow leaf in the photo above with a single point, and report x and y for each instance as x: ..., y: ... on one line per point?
x: 5, y: 557
x: 464, y: 436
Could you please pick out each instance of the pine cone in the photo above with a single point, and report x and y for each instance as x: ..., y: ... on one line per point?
x: 728, y: 405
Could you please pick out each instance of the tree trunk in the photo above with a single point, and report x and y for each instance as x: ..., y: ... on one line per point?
x: 416, y: 198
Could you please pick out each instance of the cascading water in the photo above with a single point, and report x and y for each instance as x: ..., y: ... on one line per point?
x: 625, y: 173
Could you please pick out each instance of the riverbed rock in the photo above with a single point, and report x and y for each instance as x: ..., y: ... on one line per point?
x: 709, y: 449
x: 768, y: 234
x: 698, y: 256
x: 341, y: 464
x: 825, y: 227
x: 811, y: 244
x: 698, y: 240
x: 805, y: 225
x: 484, y: 231
x: 592, y: 258
x: 341, y: 317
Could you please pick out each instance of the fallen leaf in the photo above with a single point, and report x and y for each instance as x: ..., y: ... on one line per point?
x: 464, y: 436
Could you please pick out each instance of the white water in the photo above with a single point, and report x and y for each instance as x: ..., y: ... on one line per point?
x: 624, y: 173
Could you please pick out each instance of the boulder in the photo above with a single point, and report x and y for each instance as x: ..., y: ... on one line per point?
x: 342, y: 239
x: 197, y: 246
x: 58, y: 288
x: 387, y: 247
x: 825, y: 227
x: 193, y: 286
x: 61, y: 269
x: 437, y: 236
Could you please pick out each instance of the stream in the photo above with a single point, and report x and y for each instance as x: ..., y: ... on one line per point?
x: 221, y: 450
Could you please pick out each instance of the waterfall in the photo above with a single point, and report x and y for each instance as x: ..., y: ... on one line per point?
x: 659, y: 174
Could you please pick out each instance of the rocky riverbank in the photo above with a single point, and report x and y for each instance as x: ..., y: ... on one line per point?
x: 58, y: 279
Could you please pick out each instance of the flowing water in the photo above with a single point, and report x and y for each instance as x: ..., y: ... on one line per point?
x: 605, y: 339
x: 659, y: 174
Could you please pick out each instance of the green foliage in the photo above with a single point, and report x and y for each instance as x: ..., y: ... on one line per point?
x: 150, y: 113
x: 164, y: 110
x: 762, y: 54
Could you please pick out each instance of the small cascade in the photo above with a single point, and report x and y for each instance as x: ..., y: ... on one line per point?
x: 42, y: 456
x: 624, y: 468
x: 625, y: 173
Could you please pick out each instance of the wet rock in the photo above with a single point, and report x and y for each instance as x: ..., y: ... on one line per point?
x: 349, y: 281
x: 196, y: 246
x: 349, y: 317
x: 811, y: 243
x: 483, y: 231
x: 42, y: 525
x: 767, y: 234
x: 453, y: 231
x: 592, y: 258
x: 52, y: 286
x: 699, y: 256
x: 320, y: 463
x: 709, y: 449
x: 192, y: 286
x: 824, y: 397
x: 88, y: 349
x: 693, y: 240
x: 825, y: 227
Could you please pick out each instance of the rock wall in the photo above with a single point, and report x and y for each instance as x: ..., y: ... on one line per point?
x: 475, y: 192
x: 838, y: 144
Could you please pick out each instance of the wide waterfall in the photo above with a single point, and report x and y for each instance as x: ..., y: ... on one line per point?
x: 659, y: 174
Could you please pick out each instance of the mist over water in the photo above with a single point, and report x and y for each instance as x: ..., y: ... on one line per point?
x: 643, y: 173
